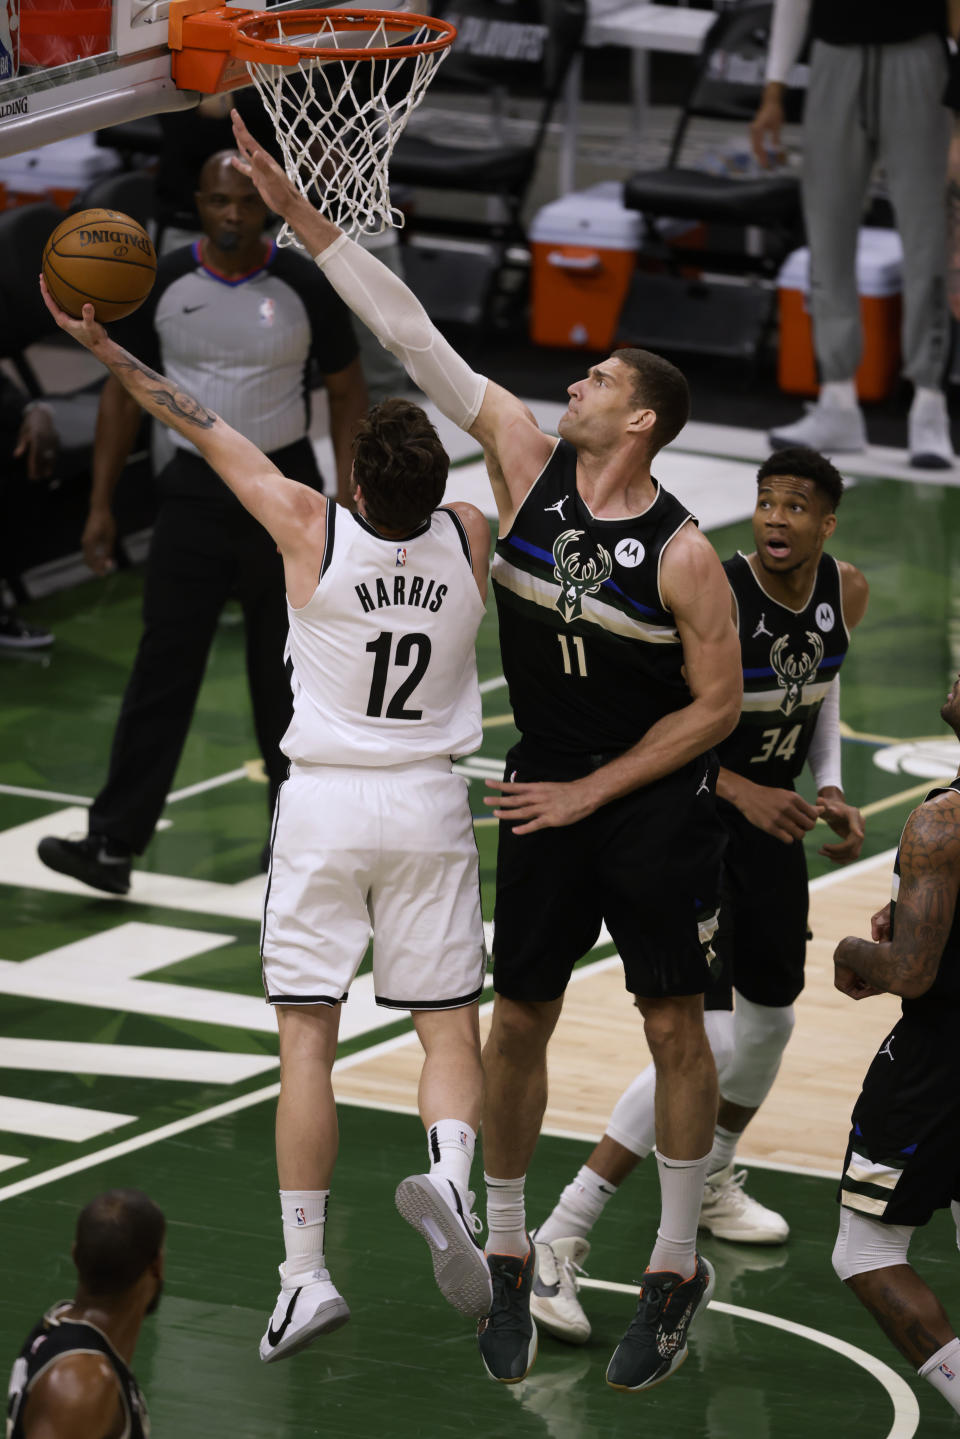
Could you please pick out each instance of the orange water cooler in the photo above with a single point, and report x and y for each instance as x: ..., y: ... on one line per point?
x: 584, y: 250
x: 879, y: 282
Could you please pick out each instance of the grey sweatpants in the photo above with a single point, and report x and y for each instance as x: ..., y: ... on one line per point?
x: 867, y: 104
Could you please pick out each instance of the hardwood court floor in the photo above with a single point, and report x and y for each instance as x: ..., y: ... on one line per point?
x: 135, y: 1049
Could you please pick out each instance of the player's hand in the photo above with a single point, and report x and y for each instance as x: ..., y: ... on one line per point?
x: 782, y: 813
x: 98, y: 541
x: 275, y: 190
x: 538, y: 804
x: 880, y: 931
x: 86, y: 332
x: 850, y: 983
x: 38, y: 442
x: 846, y: 821
x: 766, y: 130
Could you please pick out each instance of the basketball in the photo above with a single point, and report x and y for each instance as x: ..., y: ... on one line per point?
x: 103, y: 257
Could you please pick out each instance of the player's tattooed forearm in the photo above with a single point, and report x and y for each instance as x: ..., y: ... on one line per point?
x: 184, y: 407
x: 166, y: 397
x: 929, y: 866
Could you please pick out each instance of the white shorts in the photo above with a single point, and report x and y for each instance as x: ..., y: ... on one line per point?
x: 390, y: 850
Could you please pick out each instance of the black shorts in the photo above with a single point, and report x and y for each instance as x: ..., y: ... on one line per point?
x: 903, y: 1157
x: 648, y: 865
x: 764, y: 897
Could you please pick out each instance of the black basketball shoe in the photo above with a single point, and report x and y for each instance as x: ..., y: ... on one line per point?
x: 655, y: 1345
x: 508, y: 1335
x: 100, y: 862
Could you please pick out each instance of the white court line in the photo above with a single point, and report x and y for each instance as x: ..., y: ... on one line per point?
x: 496, y: 684
x: 51, y: 794
x: 906, y: 1410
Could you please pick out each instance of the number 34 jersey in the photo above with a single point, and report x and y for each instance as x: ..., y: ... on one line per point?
x: 384, y: 669
x: 790, y: 658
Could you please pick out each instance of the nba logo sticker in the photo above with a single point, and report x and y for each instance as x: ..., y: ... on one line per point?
x: 267, y: 311
x: 301, y: 1217
x: 9, y: 38
x: 947, y: 1372
x: 401, y: 555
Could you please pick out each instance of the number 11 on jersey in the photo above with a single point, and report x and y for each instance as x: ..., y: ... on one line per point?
x: 575, y: 663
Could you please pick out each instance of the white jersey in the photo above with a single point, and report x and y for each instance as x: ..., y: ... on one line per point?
x: 384, y: 666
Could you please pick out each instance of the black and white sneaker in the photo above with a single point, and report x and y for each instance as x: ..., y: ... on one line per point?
x: 508, y: 1336
x: 301, y: 1315
x: 17, y: 634
x: 100, y: 862
x: 655, y: 1345
x: 438, y: 1211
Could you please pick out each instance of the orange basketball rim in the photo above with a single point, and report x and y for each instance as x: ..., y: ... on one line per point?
x: 212, y: 49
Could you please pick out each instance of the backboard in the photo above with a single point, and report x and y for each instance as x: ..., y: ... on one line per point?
x: 71, y: 66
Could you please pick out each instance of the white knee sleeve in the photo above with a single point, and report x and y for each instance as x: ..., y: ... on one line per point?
x: 632, y: 1122
x: 760, y: 1035
x: 386, y: 306
x: 719, y: 1026
x: 864, y: 1244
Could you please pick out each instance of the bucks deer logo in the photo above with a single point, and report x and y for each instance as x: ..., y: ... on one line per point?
x: 793, y: 671
x: 578, y: 576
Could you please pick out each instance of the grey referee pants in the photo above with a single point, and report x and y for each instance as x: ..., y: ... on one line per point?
x: 867, y: 104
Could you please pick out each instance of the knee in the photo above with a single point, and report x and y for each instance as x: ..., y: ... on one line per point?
x: 520, y: 1032
x: 675, y: 1035
x: 762, y: 1024
x: 865, y: 1246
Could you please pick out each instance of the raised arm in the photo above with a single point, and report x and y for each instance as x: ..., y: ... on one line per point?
x: 292, y: 513
x: 499, y: 421
x: 907, y: 964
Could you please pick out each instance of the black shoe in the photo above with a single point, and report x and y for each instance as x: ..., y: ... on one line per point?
x: 102, y: 863
x: 655, y: 1345
x: 508, y: 1335
x: 16, y: 634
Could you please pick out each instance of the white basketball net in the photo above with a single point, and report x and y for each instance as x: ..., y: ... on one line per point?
x: 337, y: 121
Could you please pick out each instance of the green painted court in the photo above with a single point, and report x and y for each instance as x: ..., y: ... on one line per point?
x: 178, y: 1067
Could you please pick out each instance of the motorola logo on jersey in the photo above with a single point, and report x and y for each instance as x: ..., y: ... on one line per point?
x: 794, y: 670
x: 629, y: 553
x: 825, y: 617
x: 579, y: 575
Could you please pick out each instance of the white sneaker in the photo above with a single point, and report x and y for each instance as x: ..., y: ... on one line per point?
x: 553, y: 1299
x: 928, y: 431
x: 301, y: 1315
x: 437, y: 1210
x: 824, y: 428
x: 728, y: 1212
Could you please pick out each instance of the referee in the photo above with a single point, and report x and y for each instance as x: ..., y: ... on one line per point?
x: 237, y: 324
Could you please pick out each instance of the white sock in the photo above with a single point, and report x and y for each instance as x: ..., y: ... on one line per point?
x: 725, y: 1143
x: 450, y: 1144
x: 304, y: 1215
x: 838, y: 395
x: 579, y: 1206
x: 681, y: 1193
x: 942, y: 1370
x: 923, y: 396
x: 506, y: 1217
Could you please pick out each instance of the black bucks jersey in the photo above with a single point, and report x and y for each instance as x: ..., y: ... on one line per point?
x: 591, y: 654
x: 946, y: 985
x: 790, y: 658
x: 55, y: 1338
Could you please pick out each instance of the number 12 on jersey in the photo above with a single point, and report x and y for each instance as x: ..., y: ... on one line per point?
x: 381, y: 648
x: 575, y: 662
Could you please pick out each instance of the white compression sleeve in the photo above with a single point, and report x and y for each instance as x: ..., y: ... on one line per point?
x: 787, y: 32
x: 387, y: 307
x: 632, y: 1122
x: 823, y: 756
